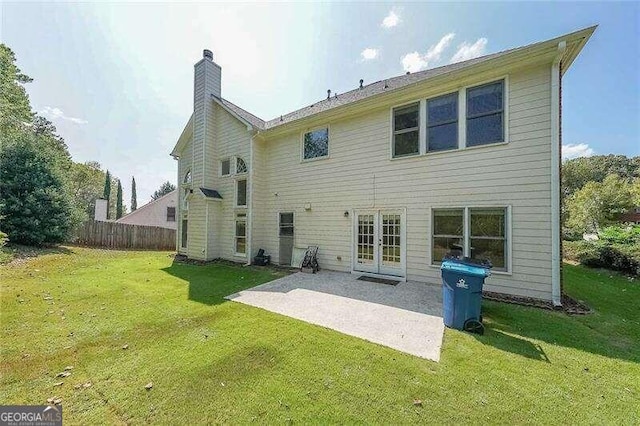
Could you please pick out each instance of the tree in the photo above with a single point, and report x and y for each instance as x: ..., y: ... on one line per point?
x: 134, y: 196
x: 577, y: 172
x: 164, y: 189
x: 36, y: 208
x: 86, y: 186
x: 119, y: 211
x: 598, y: 204
x: 106, y: 193
x: 15, y: 110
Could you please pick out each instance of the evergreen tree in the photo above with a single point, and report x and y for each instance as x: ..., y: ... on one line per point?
x: 119, y: 211
x: 35, y: 207
x: 134, y: 196
x: 164, y: 189
x: 106, y: 193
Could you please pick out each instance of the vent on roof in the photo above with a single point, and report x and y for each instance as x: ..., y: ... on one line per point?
x: 386, y: 86
x: 361, y: 81
x: 408, y: 72
x: 328, y: 93
x: 207, y: 54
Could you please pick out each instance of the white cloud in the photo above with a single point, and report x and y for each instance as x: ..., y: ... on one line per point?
x: 415, y: 61
x: 469, y: 51
x: 571, y: 151
x: 391, y: 20
x: 54, y: 113
x: 369, y: 54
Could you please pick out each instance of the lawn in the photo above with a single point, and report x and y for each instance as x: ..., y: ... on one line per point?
x: 221, y: 362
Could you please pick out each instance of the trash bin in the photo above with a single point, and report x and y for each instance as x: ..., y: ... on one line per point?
x: 462, y: 281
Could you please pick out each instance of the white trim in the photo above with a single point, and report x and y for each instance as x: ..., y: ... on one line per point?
x: 466, y: 232
x: 556, y: 295
x: 378, y: 212
x: 309, y: 130
x: 206, y: 232
x: 250, y: 168
x: 236, y: 219
x: 462, y: 119
x: 246, y: 196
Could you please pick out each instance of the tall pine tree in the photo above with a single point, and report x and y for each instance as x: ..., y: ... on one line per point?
x: 134, y: 196
x: 106, y: 194
x: 119, y: 209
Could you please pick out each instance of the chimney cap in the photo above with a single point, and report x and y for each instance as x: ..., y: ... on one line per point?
x: 207, y: 54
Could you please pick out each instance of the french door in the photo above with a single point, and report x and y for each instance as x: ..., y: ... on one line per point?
x: 379, y: 246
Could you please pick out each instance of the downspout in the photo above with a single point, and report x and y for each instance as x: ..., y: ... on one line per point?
x: 250, y: 196
x: 556, y: 150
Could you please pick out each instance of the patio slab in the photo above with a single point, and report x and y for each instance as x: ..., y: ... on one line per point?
x: 406, y: 317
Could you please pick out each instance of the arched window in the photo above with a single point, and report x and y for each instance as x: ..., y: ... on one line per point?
x: 241, y: 166
x: 187, y: 177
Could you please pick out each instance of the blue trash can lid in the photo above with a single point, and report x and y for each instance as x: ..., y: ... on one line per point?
x: 464, y: 268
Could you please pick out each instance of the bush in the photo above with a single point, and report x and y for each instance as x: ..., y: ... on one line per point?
x: 603, y: 254
x: 618, y: 234
x: 3, y: 239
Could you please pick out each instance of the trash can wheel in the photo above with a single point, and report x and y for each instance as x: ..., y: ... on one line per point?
x: 473, y: 326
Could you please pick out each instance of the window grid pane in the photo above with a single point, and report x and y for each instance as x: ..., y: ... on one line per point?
x: 241, y: 193
x: 365, y: 238
x: 225, y: 167
x: 485, y: 114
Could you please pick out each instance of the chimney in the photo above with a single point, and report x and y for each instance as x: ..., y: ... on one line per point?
x: 206, y: 82
x: 361, y: 81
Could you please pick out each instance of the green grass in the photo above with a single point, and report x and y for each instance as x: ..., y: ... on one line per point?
x: 221, y: 362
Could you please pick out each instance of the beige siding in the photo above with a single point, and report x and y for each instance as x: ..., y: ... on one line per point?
x: 231, y: 139
x: 359, y: 174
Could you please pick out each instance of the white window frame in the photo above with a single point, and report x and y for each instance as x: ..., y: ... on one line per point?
x: 313, y: 129
x: 246, y: 195
x: 242, y: 217
x: 467, y: 233
x: 462, y: 119
x: 235, y: 163
x: 231, y: 166
x: 421, y: 130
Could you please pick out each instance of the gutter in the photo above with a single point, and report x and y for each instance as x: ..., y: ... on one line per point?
x: 556, y: 152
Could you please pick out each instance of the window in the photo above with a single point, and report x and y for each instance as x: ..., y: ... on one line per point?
x: 185, y: 199
x: 241, y: 234
x: 406, y: 130
x: 187, y: 177
x: 286, y: 225
x: 488, y: 236
x: 442, y: 122
x: 183, y: 240
x: 241, y: 193
x: 171, y: 214
x: 316, y: 144
x: 448, y: 233
x: 485, y: 114
x: 225, y: 167
x: 241, y: 166
x: 484, y: 239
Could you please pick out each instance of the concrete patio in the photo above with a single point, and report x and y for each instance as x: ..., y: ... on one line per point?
x: 406, y: 317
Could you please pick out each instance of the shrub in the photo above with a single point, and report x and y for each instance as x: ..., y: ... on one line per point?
x: 3, y: 239
x: 618, y: 234
x: 603, y: 254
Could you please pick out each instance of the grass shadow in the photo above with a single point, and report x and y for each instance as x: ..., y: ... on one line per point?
x: 513, y: 344
x: 209, y: 283
x: 17, y: 252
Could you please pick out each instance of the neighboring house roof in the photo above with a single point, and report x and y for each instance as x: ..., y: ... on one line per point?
x: 146, y: 206
x: 211, y: 193
x: 575, y: 42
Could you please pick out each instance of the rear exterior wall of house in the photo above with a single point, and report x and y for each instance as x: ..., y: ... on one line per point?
x: 360, y: 174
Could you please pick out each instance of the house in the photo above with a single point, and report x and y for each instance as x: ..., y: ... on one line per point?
x: 390, y: 176
x: 161, y: 212
x: 631, y: 216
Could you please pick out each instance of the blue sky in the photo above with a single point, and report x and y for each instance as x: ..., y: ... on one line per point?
x: 117, y: 78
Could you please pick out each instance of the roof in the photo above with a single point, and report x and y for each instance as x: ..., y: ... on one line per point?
x: 211, y: 193
x: 575, y: 42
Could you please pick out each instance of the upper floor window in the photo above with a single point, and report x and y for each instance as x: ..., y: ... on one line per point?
x: 241, y: 193
x: 187, y: 177
x: 442, y: 122
x: 406, y: 130
x: 316, y: 144
x: 225, y: 167
x: 485, y: 114
x: 241, y: 166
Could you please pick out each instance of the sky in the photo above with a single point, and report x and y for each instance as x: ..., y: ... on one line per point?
x: 117, y: 78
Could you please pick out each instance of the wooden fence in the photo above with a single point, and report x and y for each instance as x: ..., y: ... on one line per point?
x: 125, y: 236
